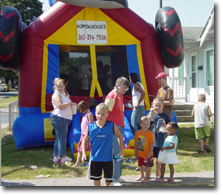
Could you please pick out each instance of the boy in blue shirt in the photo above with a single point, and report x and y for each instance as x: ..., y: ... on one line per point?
x: 100, y: 133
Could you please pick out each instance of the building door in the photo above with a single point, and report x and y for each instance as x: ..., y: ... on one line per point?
x: 193, y: 93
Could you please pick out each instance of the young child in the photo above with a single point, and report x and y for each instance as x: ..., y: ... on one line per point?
x: 169, y: 148
x: 144, y: 143
x: 84, y: 108
x: 100, y: 133
x: 156, y: 115
x: 201, y: 113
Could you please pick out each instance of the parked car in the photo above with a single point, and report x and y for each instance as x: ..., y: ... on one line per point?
x: 2, y: 88
x: 5, y: 86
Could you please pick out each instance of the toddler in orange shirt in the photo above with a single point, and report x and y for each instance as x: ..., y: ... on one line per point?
x: 144, y: 143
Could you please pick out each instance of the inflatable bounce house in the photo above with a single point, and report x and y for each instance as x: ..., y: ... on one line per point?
x: 91, y: 43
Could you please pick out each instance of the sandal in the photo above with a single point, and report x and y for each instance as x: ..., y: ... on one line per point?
x: 200, y: 152
x: 159, y: 180
x: 171, y: 180
x: 207, y: 148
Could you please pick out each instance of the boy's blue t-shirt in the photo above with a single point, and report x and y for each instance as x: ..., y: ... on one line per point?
x: 171, y: 139
x: 158, y: 136
x: 101, y: 141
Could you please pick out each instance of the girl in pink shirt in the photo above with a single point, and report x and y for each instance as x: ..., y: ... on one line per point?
x: 84, y: 108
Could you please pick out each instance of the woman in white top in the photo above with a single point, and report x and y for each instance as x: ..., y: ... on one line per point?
x: 61, y: 118
x: 138, y: 95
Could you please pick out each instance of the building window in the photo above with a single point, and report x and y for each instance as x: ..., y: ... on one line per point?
x: 210, y: 68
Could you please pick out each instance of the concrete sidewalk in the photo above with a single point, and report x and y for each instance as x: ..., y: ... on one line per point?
x: 207, y: 176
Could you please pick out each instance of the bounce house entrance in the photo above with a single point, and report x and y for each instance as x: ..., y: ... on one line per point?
x: 76, y: 64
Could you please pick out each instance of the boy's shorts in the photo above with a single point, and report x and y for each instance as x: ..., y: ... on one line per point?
x: 141, y: 162
x: 202, y: 132
x: 95, y: 170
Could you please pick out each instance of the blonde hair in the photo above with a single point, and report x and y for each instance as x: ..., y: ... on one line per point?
x: 144, y: 118
x: 158, y: 100
x: 59, y: 80
x: 56, y: 81
x: 102, y: 106
x: 201, y: 98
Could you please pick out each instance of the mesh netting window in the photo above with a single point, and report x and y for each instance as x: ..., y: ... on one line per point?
x: 75, y: 66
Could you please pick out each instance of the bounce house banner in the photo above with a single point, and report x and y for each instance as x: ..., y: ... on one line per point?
x: 91, y: 32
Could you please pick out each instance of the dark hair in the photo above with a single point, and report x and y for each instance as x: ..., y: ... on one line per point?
x: 134, y: 77
x: 173, y: 125
x: 82, y: 106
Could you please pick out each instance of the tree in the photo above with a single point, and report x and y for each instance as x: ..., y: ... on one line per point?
x: 29, y: 9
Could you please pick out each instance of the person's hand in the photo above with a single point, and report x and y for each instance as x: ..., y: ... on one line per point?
x: 163, y: 124
x: 148, y: 156
x: 161, y: 149
x: 136, y: 107
x: 121, y: 153
x: 152, y: 111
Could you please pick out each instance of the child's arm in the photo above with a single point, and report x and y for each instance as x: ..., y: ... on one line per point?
x: 120, y: 138
x: 150, y: 150
x: 192, y: 113
x: 58, y: 102
x: 84, y: 141
x: 90, y: 118
x: 168, y: 148
x: 209, y: 112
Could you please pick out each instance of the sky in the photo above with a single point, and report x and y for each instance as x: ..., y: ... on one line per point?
x: 192, y: 13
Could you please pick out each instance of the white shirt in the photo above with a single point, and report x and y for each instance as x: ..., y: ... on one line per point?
x: 201, y: 115
x: 136, y: 96
x: 66, y: 113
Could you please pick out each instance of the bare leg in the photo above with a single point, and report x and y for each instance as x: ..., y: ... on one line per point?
x: 148, y: 173
x: 201, y: 144
x: 107, y: 183
x: 97, y: 182
x: 79, y: 155
x: 162, y: 171
x: 158, y: 167
x: 141, y: 168
x: 171, y: 170
x: 206, y: 140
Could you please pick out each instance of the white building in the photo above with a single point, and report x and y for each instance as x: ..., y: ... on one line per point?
x: 196, y: 74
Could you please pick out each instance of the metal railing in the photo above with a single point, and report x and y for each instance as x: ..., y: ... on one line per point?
x: 13, y: 113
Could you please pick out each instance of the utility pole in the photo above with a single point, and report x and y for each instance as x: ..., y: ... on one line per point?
x: 161, y: 3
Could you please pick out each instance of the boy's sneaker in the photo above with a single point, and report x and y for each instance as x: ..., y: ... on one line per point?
x: 207, y: 148
x: 56, y: 159
x: 63, y: 160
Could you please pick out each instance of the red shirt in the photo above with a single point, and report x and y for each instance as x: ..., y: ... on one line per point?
x: 117, y: 113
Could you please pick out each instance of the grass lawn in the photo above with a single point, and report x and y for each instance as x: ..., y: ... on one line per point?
x: 15, y: 163
x: 5, y: 102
